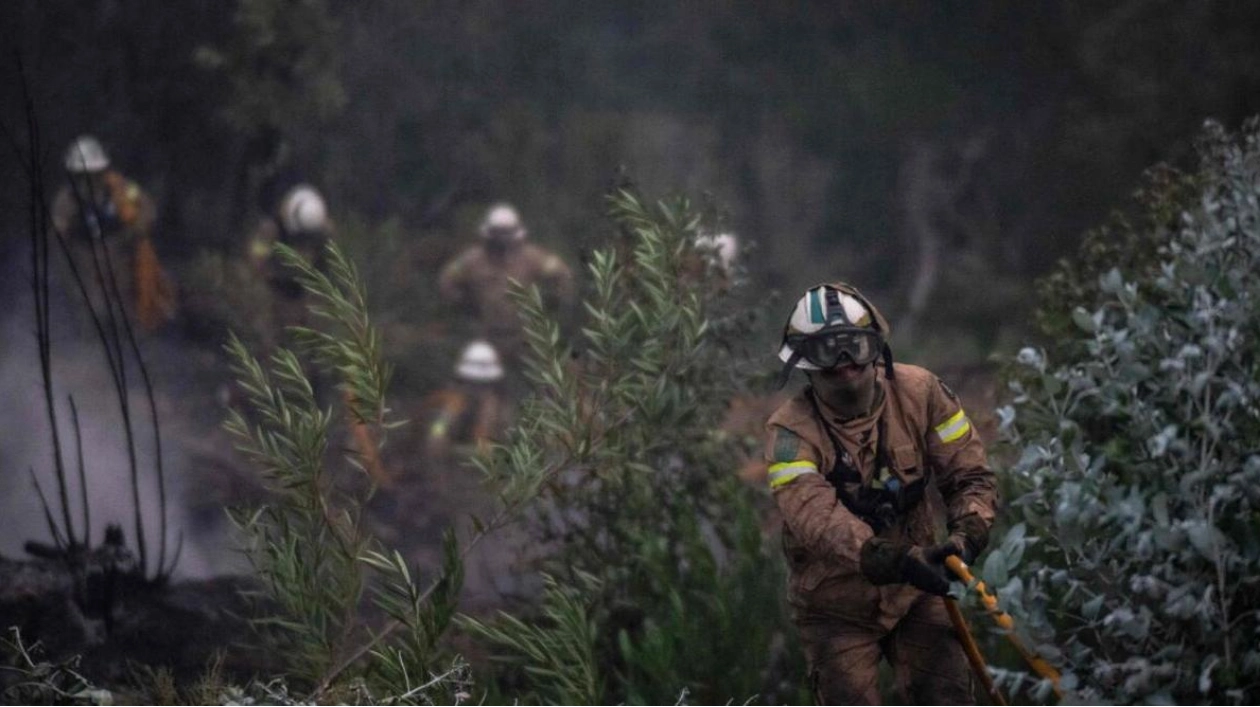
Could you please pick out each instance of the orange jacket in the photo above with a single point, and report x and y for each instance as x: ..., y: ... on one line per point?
x: 125, y: 209
x: 928, y: 439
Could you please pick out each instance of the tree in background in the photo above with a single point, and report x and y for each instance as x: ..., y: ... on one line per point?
x: 280, y: 67
x: 1138, y: 514
x: 980, y: 136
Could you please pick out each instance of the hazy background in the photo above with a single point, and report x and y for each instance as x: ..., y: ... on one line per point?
x: 940, y: 155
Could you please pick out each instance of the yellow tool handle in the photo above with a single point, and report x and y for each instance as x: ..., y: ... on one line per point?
x: 972, y: 650
x: 1004, y: 621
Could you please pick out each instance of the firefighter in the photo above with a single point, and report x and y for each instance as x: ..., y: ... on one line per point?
x: 107, y: 220
x: 471, y: 409
x: 715, y: 260
x: 478, y: 280
x: 298, y: 219
x: 849, y: 460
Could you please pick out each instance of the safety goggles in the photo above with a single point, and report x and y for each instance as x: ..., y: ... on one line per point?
x: 829, y: 348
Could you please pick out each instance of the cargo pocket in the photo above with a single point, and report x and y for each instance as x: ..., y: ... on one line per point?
x: 906, y: 462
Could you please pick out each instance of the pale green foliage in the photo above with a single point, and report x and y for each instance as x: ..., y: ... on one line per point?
x: 1139, y: 466
x: 638, y: 487
x: 716, y: 626
x: 557, y: 650
x: 305, y: 546
x: 308, y: 545
x: 352, y: 347
x: 423, y: 616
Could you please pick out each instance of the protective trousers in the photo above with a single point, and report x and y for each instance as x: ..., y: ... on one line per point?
x: 928, y: 662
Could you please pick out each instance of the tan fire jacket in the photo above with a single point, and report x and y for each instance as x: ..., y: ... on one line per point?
x: 929, y: 437
x: 481, y: 281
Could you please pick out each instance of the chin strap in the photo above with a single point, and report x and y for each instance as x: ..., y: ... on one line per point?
x: 786, y: 372
x: 888, y: 362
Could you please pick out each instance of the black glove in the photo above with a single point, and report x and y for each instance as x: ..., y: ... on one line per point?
x: 968, y: 537
x: 889, y: 562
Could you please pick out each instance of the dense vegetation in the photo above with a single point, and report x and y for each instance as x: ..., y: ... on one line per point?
x: 979, y: 136
x: 651, y: 551
x: 1137, y: 434
x: 661, y: 581
x: 1130, y: 560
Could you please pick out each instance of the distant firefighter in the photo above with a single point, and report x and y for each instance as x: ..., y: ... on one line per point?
x: 470, y: 410
x: 108, y: 221
x: 299, y: 219
x: 718, y: 256
x: 478, y: 280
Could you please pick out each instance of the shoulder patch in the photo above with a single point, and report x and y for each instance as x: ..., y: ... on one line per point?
x: 787, y: 445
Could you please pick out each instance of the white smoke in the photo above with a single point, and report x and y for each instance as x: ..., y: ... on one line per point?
x: 80, y: 369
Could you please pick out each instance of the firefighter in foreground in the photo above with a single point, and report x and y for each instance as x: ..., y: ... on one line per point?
x: 107, y: 220
x: 850, y: 460
x: 479, y: 280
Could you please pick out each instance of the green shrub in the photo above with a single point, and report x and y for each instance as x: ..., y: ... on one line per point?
x: 1130, y: 242
x: 1138, y: 461
x: 308, y: 545
x: 641, y: 511
x: 556, y: 650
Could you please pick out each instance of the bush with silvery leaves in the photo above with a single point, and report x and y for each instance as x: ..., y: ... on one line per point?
x: 1134, y: 561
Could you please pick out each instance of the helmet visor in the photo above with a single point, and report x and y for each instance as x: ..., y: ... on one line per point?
x: 829, y: 348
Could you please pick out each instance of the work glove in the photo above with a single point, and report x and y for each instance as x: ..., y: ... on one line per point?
x: 885, y: 561
x: 968, y: 537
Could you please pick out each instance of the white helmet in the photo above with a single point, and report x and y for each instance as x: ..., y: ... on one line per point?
x: 479, y: 363
x: 829, y: 324
x: 303, y: 210
x: 503, y: 220
x: 86, y: 155
x: 723, y: 247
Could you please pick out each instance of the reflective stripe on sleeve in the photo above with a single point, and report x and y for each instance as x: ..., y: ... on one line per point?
x: 786, y: 471
x: 954, y: 427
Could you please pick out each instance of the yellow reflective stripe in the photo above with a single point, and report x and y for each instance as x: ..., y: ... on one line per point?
x: 963, y: 429
x: 786, y: 471
x: 957, y: 417
x: 954, y: 427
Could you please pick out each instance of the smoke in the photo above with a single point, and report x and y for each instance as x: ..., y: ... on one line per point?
x: 80, y: 370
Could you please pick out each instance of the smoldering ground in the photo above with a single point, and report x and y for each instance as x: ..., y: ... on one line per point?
x: 204, y: 474
x: 190, y: 439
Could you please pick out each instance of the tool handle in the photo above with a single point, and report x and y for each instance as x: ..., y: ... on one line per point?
x: 1004, y: 621
x: 973, y: 651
